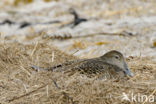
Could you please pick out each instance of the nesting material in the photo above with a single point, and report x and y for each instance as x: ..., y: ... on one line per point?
x: 19, y: 83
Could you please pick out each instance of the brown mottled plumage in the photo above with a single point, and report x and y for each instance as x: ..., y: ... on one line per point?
x: 112, y: 62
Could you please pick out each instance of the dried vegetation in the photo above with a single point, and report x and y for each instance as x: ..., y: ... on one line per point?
x: 21, y: 84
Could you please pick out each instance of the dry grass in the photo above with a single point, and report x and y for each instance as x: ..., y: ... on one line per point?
x: 19, y: 84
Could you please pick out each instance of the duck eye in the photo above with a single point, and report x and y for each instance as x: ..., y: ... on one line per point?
x: 117, y: 57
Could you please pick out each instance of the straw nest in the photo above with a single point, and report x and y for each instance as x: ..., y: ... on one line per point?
x: 19, y: 84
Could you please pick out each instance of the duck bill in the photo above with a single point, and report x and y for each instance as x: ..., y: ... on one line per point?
x: 128, y: 72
